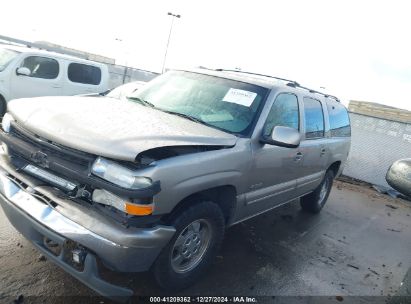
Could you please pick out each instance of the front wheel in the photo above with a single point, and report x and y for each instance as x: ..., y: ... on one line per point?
x: 316, y: 200
x: 199, y: 233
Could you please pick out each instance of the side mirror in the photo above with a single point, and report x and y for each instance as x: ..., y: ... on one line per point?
x: 283, y: 137
x: 23, y: 71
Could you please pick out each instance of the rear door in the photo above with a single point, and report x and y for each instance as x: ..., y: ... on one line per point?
x: 313, y: 148
x: 44, y: 80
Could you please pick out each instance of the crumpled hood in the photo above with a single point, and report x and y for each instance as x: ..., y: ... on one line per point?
x: 110, y: 127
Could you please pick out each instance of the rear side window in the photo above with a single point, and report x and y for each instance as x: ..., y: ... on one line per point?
x: 314, y: 118
x: 339, y: 120
x: 284, y: 112
x: 41, y: 67
x: 83, y: 73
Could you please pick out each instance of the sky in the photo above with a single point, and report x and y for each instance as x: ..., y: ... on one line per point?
x: 356, y: 50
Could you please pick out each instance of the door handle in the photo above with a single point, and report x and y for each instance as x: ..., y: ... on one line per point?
x: 323, y: 151
x: 298, y: 156
x: 56, y: 86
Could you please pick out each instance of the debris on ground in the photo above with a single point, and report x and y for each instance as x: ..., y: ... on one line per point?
x: 393, y: 230
x: 391, y: 206
x: 373, y: 271
x: 391, y: 192
x: 41, y: 258
x: 353, y: 181
x: 352, y: 266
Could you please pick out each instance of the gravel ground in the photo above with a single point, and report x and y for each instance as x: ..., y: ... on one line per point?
x: 360, y: 245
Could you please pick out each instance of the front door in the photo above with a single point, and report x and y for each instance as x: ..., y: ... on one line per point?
x: 272, y: 179
x: 44, y: 79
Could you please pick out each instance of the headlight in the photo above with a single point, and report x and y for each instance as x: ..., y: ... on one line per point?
x: 107, y: 198
x: 6, y: 122
x: 119, y: 175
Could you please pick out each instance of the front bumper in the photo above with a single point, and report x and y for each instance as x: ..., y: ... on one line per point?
x: 118, y: 248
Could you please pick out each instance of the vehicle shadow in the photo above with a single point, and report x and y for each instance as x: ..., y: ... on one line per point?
x: 254, y: 253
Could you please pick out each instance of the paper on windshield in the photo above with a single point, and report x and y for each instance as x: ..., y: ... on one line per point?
x: 241, y: 97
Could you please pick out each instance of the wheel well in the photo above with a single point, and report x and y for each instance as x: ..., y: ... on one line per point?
x: 335, y: 167
x: 224, y: 196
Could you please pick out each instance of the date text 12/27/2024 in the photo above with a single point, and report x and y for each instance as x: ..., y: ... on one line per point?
x: 198, y: 299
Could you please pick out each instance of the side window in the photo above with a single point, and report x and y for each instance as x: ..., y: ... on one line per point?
x: 339, y: 120
x: 83, y: 73
x: 284, y: 112
x: 314, y: 118
x: 41, y: 67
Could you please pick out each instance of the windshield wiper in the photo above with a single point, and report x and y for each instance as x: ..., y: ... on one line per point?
x: 142, y: 101
x: 149, y: 104
x: 185, y: 116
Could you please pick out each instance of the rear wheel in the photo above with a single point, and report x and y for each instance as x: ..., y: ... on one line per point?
x: 316, y: 200
x: 199, y: 233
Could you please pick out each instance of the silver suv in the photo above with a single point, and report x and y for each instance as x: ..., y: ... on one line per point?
x: 152, y: 182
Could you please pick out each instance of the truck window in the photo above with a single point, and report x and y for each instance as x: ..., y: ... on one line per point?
x: 83, y: 73
x: 339, y: 120
x: 41, y: 67
x: 314, y: 118
x: 284, y: 112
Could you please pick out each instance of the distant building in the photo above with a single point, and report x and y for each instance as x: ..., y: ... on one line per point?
x: 380, y: 136
x: 74, y: 52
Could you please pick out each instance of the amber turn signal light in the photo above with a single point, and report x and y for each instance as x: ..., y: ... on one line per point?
x: 135, y: 209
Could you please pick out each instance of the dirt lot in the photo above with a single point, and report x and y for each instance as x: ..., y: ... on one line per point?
x: 360, y: 245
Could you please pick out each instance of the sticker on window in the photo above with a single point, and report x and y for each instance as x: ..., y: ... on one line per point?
x: 241, y: 97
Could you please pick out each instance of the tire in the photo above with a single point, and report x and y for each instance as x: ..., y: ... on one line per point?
x: 200, y: 231
x: 316, y: 200
x: 3, y: 106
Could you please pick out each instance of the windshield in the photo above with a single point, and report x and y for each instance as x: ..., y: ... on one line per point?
x: 222, y: 103
x: 6, y: 56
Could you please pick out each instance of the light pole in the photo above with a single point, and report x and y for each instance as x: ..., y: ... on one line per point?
x: 169, y: 35
x: 120, y: 41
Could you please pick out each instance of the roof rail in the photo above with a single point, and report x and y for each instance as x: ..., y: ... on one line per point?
x: 291, y: 83
x: 316, y: 92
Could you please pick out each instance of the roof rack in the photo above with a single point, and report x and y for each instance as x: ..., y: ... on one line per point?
x: 291, y: 83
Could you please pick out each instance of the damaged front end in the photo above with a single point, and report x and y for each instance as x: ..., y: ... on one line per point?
x: 78, y: 219
x: 71, y: 172
x: 160, y: 153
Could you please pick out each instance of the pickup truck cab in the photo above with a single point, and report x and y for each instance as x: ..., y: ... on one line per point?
x: 28, y: 72
x: 150, y: 182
